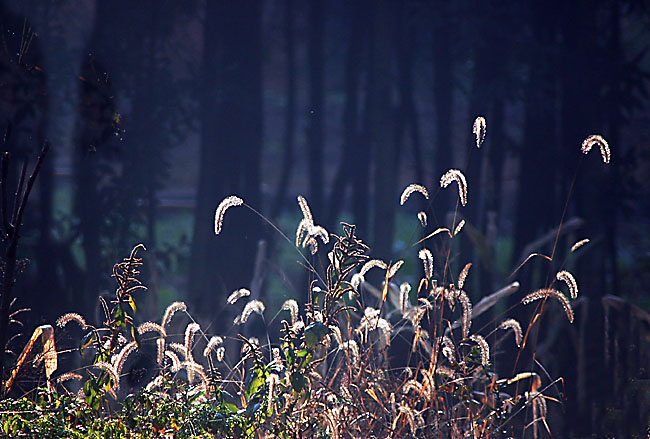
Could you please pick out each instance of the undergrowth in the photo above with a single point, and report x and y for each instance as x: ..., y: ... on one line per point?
x: 385, y: 360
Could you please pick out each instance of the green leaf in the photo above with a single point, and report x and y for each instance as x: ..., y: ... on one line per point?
x: 86, y: 341
x: 120, y: 317
x: 136, y: 335
x: 298, y: 381
x: 251, y: 409
x: 131, y: 302
x: 253, y: 382
x: 314, y: 333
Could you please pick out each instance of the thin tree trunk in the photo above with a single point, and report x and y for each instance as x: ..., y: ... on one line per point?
x: 443, y: 62
x: 362, y: 155
x: 290, y: 115
x: 347, y: 165
x: 230, y: 153
x: 316, y: 104
x: 382, y: 130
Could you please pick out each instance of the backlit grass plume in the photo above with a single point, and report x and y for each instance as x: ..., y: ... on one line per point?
x: 568, y: 278
x: 596, y: 139
x: 226, y: 204
x: 479, y: 129
x: 550, y: 292
x: 413, y: 188
x: 457, y: 176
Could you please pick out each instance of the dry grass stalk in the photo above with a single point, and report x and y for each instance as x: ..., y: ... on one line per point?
x: 372, y: 264
x: 392, y: 270
x: 422, y: 217
x: 236, y: 295
x: 71, y: 317
x: 356, y: 281
x: 579, y: 244
x: 568, y: 278
x: 254, y: 306
x: 550, y: 292
x: 467, y: 311
x: 404, y: 291
x: 171, y: 310
x: 448, y: 348
x: 459, y: 227
x: 152, y: 327
x: 596, y: 139
x: 194, y: 368
x: 463, y: 275
x: 120, y: 359
x: 212, y: 344
x: 160, y: 350
x: 291, y: 306
x: 176, y: 362
x: 306, y: 211
x: 457, y: 176
x: 516, y: 328
x: 410, y: 189
x: 226, y: 204
x: 221, y: 353
x: 426, y: 257
x: 479, y: 129
x: 190, y: 331
x: 484, y: 347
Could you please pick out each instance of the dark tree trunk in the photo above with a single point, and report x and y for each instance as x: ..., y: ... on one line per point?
x: 381, y: 129
x: 536, y: 207
x: 347, y: 166
x: 362, y: 152
x: 290, y: 115
x: 316, y: 112
x: 581, y: 82
x: 230, y: 154
x: 443, y: 86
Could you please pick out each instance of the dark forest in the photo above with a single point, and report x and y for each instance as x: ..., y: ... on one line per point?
x: 127, y: 123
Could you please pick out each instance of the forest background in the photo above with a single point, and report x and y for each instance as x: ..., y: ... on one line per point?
x: 155, y: 111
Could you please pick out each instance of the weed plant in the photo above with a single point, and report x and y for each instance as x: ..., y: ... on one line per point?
x: 333, y: 371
